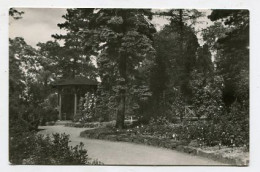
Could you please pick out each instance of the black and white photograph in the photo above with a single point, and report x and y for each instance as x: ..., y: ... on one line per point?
x: 128, y: 86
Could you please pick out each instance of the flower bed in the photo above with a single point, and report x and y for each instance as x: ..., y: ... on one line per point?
x: 123, y: 135
x: 164, y: 136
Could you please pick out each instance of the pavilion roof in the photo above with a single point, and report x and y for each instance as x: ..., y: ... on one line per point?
x: 76, y: 81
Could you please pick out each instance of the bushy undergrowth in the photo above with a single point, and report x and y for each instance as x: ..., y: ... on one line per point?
x: 211, y: 134
x: 229, y: 129
x: 206, y: 133
x: 27, y: 147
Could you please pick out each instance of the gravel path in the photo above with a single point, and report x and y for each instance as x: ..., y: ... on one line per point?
x: 121, y: 153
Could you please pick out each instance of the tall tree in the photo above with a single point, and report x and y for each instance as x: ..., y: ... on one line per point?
x: 232, y: 63
x: 233, y: 59
x: 74, y: 60
x: 122, y: 38
x: 174, y: 62
x: 26, y: 91
x: 16, y: 75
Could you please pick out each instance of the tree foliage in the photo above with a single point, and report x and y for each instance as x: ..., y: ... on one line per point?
x: 16, y: 14
x: 121, y: 41
x: 176, y: 46
x: 234, y: 52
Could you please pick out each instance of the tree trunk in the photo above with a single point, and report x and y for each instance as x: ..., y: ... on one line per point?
x: 181, y: 30
x: 122, y: 93
x: 121, y: 111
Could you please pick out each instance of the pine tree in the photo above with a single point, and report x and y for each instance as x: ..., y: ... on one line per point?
x: 121, y: 40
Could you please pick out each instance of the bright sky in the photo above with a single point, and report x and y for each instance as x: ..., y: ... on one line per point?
x: 38, y: 24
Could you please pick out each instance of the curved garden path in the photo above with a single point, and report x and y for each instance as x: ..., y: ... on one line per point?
x: 122, y: 153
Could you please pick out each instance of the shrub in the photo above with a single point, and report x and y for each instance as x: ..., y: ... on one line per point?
x: 159, y: 121
x: 48, y: 115
x: 207, y: 95
x: 27, y: 147
x: 225, y: 131
x: 48, y: 109
x: 210, y: 133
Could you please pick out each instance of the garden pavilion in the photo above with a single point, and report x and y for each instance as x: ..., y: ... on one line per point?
x: 69, y: 93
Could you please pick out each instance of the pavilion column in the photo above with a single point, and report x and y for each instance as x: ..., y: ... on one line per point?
x: 60, y: 117
x: 75, y: 104
x: 87, y: 100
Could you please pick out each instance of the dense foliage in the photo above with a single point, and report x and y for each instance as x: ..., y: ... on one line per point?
x: 31, y: 97
x: 33, y: 102
x: 29, y: 148
x: 150, y: 75
x: 174, y: 65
